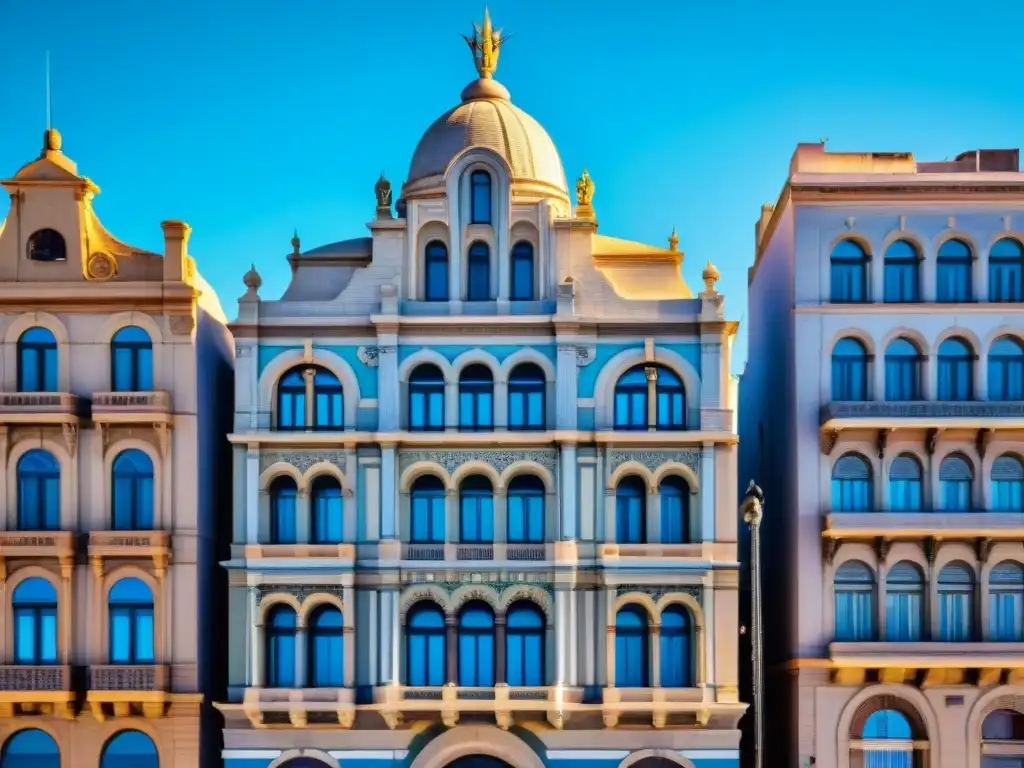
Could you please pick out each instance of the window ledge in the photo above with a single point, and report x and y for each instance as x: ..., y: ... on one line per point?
x: 43, y: 545
x: 131, y: 407
x: 152, y: 545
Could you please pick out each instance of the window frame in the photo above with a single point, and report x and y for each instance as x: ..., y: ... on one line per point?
x: 44, y: 357
x: 476, y: 398
x: 332, y: 635
x: 963, y: 264
x: 47, y: 483
x: 36, y: 610
x: 522, y: 253
x: 278, y: 674
x: 528, y: 391
x: 848, y: 273
x: 481, y: 202
x: 135, y: 611
x: 897, y: 276
x: 139, y: 364
x: 141, y: 509
x: 436, y: 260
x: 432, y: 391
x: 478, y: 272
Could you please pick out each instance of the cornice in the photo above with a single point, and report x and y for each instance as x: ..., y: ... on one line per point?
x: 498, y: 438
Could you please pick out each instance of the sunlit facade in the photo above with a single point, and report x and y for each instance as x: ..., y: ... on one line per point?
x: 883, y: 413
x: 485, y: 506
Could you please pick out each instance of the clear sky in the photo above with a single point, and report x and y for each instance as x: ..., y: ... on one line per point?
x: 249, y: 119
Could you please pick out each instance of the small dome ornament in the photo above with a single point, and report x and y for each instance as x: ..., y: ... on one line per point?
x: 296, y: 246
x: 382, y: 191
x: 52, y: 141
x: 485, y: 43
x: 252, y: 280
x: 585, y: 197
x: 711, y: 276
x: 673, y: 241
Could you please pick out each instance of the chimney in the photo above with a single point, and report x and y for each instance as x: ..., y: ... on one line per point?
x: 176, y: 234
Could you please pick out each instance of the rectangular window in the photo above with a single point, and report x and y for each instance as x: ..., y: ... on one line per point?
x: 955, y: 617
x: 854, y: 615
x: 901, y: 281
x: 956, y: 495
x: 437, y: 280
x: 953, y: 282
x: 849, y: 282
x: 328, y: 662
x: 955, y: 379
x: 525, y: 518
x: 1005, y: 612
x: 901, y: 379
x: 903, y: 612
x: 1005, y: 281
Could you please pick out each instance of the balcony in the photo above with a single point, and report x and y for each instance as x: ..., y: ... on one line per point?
x: 287, y: 555
x: 42, y: 690
x: 928, y: 663
x: 132, y: 407
x: 663, y: 552
x: 38, y: 545
x: 675, y: 706
x: 38, y: 408
x: 299, y: 707
x: 921, y: 414
x: 478, y: 552
x: 126, y: 690
x: 132, y: 545
x: 895, y: 526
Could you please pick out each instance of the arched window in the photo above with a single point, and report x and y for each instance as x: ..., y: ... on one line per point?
x: 426, y: 399
x: 1006, y: 603
x: 326, y: 648
x: 1008, y: 484
x: 631, y: 511
x: 480, y: 197
x: 954, y: 265
x: 643, y: 385
x: 478, y: 273
x: 281, y: 626
x: 676, y: 652
x: 37, y: 361
x: 476, y: 510
x: 855, y: 602
x: 524, y: 632
x: 435, y: 279
x: 956, y: 481
x: 130, y: 749
x: 476, y: 399
x: 310, y: 397
x: 283, y: 524
x: 522, y: 288
x: 904, y: 603
x: 328, y: 400
x: 956, y: 371
x: 903, y: 361
x: 476, y: 645
x: 35, y: 622
x: 849, y: 273
x: 1006, y: 369
x: 632, y: 667
x: 38, y: 491
x: 675, y: 510
x: 327, y: 524
x: 905, y: 486
x: 30, y: 748
x: 425, y: 654
x: 427, y: 510
x: 131, y: 360
x: 849, y: 370
x: 291, y: 400
x: 887, y: 741
x: 526, y: 386
x: 132, y: 491
x: 956, y: 603
x: 851, y: 484
x: 131, y: 622
x: 902, y: 272
x: 525, y: 515
x: 1006, y: 271
x: 1002, y: 739
x: 47, y: 245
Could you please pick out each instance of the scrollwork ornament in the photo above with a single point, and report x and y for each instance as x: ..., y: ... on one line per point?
x: 303, y: 460
x: 585, y: 356
x: 654, y: 459
x: 299, y: 592
x: 498, y: 459
x: 100, y: 266
x: 369, y: 356
x: 656, y: 592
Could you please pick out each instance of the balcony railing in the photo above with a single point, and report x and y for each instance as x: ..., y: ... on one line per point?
x: 300, y: 706
x: 36, y: 690
x: 499, y: 551
x: 137, y: 677
x: 661, y: 551
x: 15, y: 677
x: 110, y: 407
x: 126, y: 690
x: 918, y: 525
x: 341, y: 552
x: 151, y: 545
x: 38, y: 408
x: 923, y: 413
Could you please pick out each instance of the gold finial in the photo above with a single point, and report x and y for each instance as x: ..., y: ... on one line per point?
x: 711, y: 276
x: 485, y: 44
x: 382, y: 191
x: 296, y: 243
x: 673, y: 241
x: 584, y: 189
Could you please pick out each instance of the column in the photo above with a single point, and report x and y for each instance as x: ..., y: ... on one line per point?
x: 451, y: 405
x: 300, y: 656
x: 388, y: 673
x: 256, y: 658
x: 303, y: 518
x: 653, y: 521
x: 499, y: 649
x: 566, y: 387
x: 396, y: 639
x: 388, y: 406
x: 655, y: 641
x: 711, y: 369
x: 349, y: 529
x: 707, y: 492
x: 388, y: 493
x: 452, y: 648
x: 574, y: 648
x: 710, y: 676
x: 652, y: 396
x: 568, y: 506
x: 561, y: 634
x: 500, y: 516
x: 252, y: 494
x: 348, y: 602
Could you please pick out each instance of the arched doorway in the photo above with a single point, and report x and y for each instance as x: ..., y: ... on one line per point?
x: 478, y: 761
x: 304, y: 762
x: 655, y: 762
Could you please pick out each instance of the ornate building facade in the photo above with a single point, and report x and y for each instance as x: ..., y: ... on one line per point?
x: 485, y: 491
x: 882, y: 413
x: 110, y: 445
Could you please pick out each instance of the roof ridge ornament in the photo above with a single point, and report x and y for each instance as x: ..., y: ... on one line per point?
x: 485, y: 43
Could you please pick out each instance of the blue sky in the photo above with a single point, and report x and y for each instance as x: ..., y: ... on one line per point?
x: 250, y: 119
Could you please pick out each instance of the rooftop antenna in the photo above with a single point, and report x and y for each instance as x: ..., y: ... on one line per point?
x: 49, y: 122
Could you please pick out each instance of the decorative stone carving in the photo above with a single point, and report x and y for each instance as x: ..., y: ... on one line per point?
x: 368, y: 356
x: 585, y: 355
x: 982, y: 440
x: 656, y: 592
x: 299, y: 591
x: 498, y: 459
x: 828, y: 440
x: 70, y: 438
x: 654, y: 459
x: 181, y: 325
x: 100, y: 266
x: 304, y: 459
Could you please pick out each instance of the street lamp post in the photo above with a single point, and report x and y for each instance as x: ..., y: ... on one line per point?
x: 752, y: 508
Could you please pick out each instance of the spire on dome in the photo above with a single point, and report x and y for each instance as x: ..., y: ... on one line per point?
x: 485, y: 44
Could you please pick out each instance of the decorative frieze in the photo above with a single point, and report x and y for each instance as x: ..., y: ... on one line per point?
x: 498, y: 459
x: 656, y: 592
x: 654, y: 459
x: 303, y: 459
x: 299, y: 591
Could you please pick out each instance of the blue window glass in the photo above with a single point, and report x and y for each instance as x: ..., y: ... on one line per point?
x: 631, y: 399
x: 1006, y: 603
x: 905, y: 484
x: 426, y: 399
x: 280, y: 630
x: 887, y: 741
x: 47, y: 245
x: 283, y: 498
x: 902, y: 272
x: 904, y: 603
x: 631, y: 511
x: 1006, y: 271
x: 632, y: 664
x: 852, y: 489
x: 476, y: 645
x: 1008, y: 484
x: 476, y: 399
x: 1003, y: 725
x: 526, y: 400
x: 849, y: 270
x: 671, y: 410
x: 525, y: 500
x: 37, y: 361
x: 427, y: 510
x: 435, y: 282
x: 131, y: 622
x: 131, y: 360
x: 476, y: 510
x: 849, y: 370
x: 30, y: 748
x: 1006, y: 370
x: 426, y: 655
x: 676, y: 651
x: 38, y: 491
x: 35, y: 622
x: 132, y: 492
x: 956, y: 603
x: 902, y: 371
x: 854, y: 602
x: 954, y: 267
x: 956, y: 371
x: 524, y: 641
x: 480, y: 197
x: 291, y: 400
x: 327, y: 511
x: 956, y: 483
x: 675, y: 510
x: 522, y: 288
x: 326, y: 648
x: 328, y: 401
x: 130, y: 749
x: 478, y: 273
